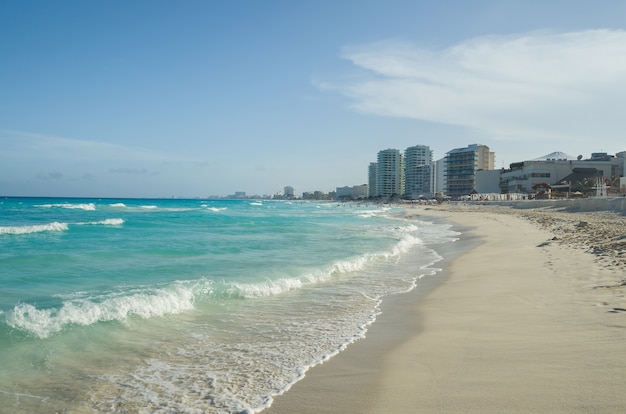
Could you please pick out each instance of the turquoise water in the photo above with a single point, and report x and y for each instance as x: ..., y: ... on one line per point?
x: 190, y: 305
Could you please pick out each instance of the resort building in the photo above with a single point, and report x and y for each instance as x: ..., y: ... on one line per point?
x: 389, y: 173
x: 316, y: 195
x: 461, y: 165
x: 351, y: 193
x: 564, y: 172
x: 439, y: 177
x: 289, y: 192
x: 418, y: 172
x: 359, y: 191
x: 371, y: 180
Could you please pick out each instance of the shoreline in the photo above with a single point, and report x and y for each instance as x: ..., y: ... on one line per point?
x: 526, y: 319
x: 349, y: 379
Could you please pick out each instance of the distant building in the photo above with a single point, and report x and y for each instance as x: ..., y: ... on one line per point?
x: 389, y: 173
x: 315, y: 195
x: 439, y: 177
x: 343, y: 192
x: 360, y: 191
x: 352, y: 193
x: 371, y: 180
x: 289, y: 192
x: 418, y: 178
x: 563, y: 172
x: 461, y: 165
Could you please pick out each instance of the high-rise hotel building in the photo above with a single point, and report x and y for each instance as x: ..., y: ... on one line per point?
x: 389, y: 173
x: 418, y: 172
x: 372, y: 187
x: 396, y: 174
x: 461, y: 165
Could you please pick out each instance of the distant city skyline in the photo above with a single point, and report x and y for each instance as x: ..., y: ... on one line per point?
x: 158, y: 98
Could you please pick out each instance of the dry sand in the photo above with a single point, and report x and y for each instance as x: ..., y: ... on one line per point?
x: 530, y: 320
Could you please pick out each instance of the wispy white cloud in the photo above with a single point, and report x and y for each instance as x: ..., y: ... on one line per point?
x: 32, y: 145
x: 530, y: 86
x: 84, y: 167
x: 55, y: 175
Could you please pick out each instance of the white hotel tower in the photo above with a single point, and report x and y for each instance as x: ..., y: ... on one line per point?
x: 418, y: 172
x: 389, y: 173
x: 396, y: 174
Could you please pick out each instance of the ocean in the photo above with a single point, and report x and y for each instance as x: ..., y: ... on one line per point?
x: 191, y: 306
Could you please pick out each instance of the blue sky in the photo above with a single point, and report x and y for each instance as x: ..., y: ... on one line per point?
x: 150, y: 98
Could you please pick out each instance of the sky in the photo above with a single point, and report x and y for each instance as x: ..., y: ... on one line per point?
x: 200, y: 98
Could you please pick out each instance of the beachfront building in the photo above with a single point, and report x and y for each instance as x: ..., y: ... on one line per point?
x: 359, y: 191
x: 564, y: 172
x: 418, y: 172
x: 439, y: 177
x: 343, y: 192
x: 289, y: 192
x: 315, y: 195
x: 389, y: 173
x: 355, y: 192
x: 461, y: 165
x: 371, y: 180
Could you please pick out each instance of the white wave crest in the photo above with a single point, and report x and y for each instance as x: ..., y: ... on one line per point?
x: 111, y: 222
x: 373, y: 213
x: 105, y: 222
x: 82, y: 206
x: 286, y: 284
x: 44, y: 322
x: 119, y: 205
x: 54, y: 226
x: 268, y: 288
x: 216, y: 209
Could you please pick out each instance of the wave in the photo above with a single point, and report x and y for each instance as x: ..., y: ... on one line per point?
x: 119, y: 205
x: 152, y: 207
x: 272, y: 287
x: 85, y: 308
x: 142, y: 302
x: 105, y: 222
x: 337, y: 268
x: 373, y: 213
x: 54, y: 226
x: 216, y: 209
x: 82, y: 206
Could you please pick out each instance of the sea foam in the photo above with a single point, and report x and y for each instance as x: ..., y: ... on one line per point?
x: 38, y: 228
x: 335, y: 269
x: 81, y: 206
x: 216, y: 209
x: 105, y: 222
x: 114, y: 307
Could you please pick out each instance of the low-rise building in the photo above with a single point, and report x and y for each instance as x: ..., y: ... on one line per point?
x: 563, y: 172
x: 352, y: 193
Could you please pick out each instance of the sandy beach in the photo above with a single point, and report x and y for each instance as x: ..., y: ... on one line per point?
x: 528, y: 316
